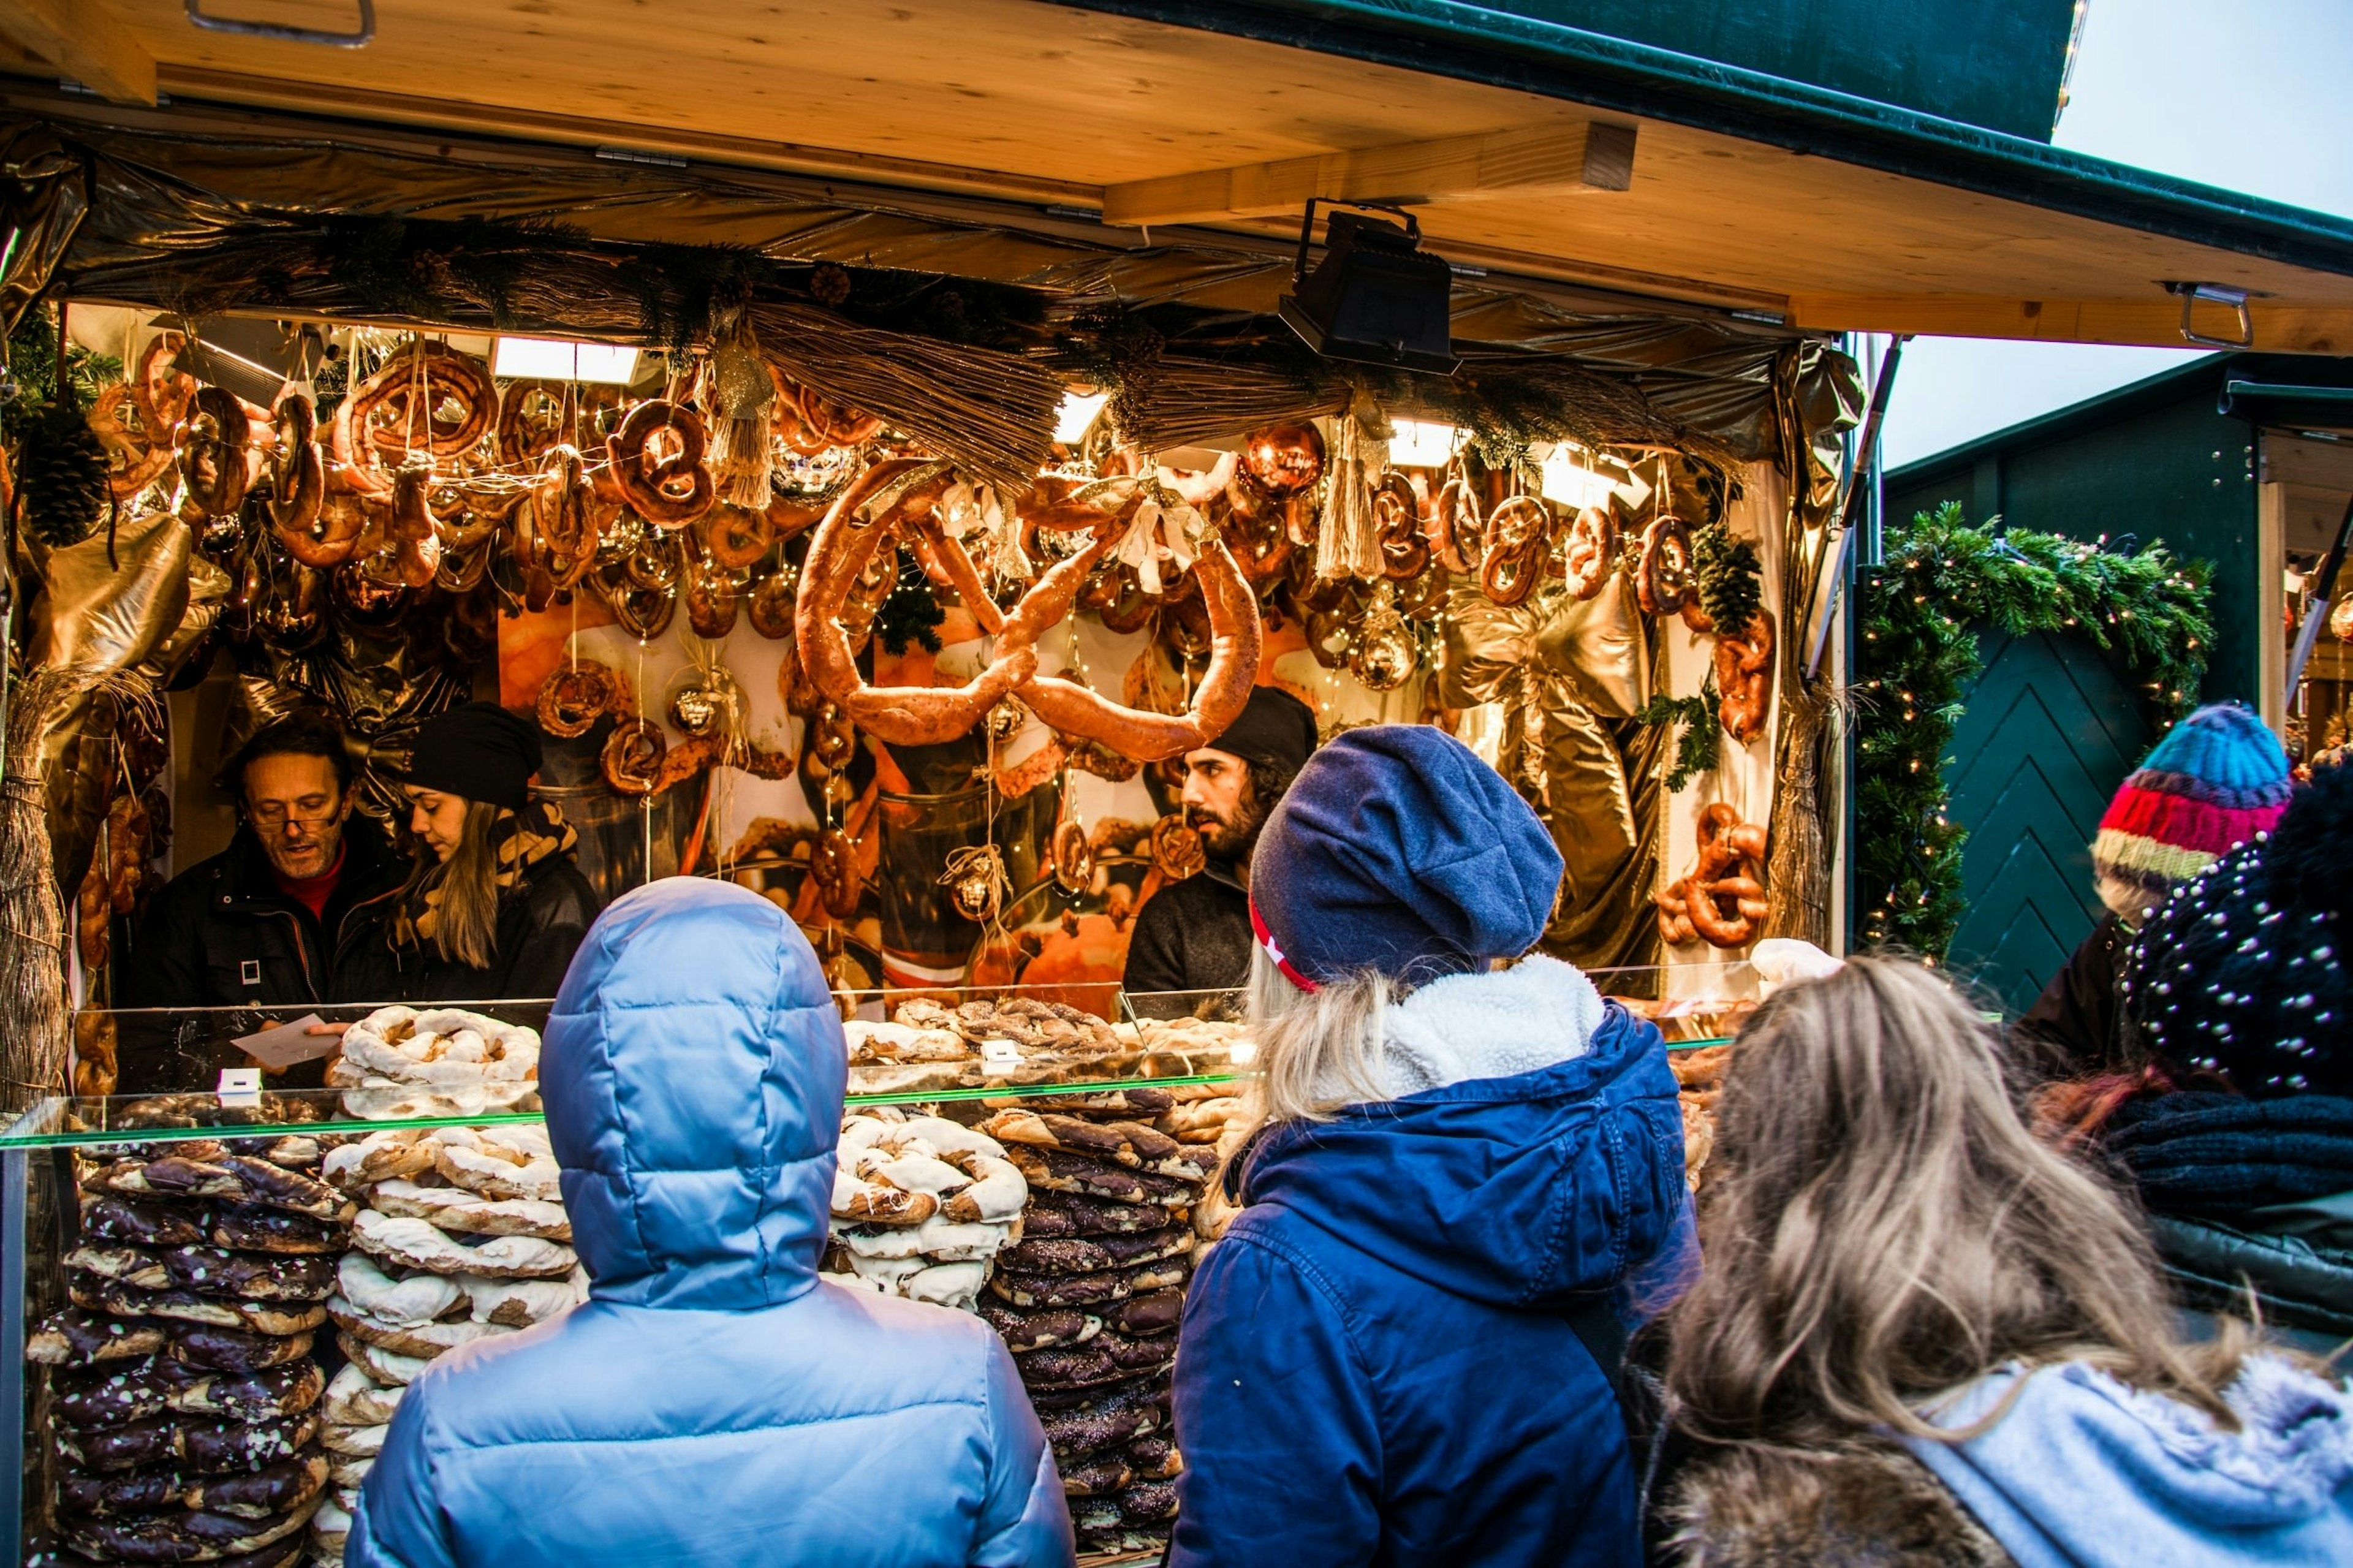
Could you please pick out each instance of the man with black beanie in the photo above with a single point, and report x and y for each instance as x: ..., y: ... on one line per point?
x: 1195, y: 934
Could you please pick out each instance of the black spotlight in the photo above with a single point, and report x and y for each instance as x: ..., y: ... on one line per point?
x: 1377, y: 297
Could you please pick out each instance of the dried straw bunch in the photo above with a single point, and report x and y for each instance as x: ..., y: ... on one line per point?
x: 33, y: 1047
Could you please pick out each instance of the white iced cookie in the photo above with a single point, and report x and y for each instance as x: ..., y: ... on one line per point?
x: 455, y: 1209
x: 426, y: 1340
x: 412, y: 1243
x: 387, y: 1367
x: 344, y: 1471
x: 368, y: 1291
x: 393, y: 1151
x: 520, y: 1303
x: 358, y: 1442
x: 494, y: 1170
x: 355, y: 1399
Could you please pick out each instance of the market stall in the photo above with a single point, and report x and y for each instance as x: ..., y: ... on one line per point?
x: 868, y: 507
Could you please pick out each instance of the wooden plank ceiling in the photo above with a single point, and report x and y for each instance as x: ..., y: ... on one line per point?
x: 1154, y: 123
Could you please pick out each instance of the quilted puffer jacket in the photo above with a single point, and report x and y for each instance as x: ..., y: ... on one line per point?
x: 714, y: 1401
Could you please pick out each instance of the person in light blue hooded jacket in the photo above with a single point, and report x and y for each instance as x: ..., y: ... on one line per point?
x: 715, y: 1401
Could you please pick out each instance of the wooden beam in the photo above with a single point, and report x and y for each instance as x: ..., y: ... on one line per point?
x: 1582, y: 155
x: 86, y: 41
x: 2282, y: 326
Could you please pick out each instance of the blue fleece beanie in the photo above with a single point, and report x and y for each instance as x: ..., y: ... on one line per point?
x: 1398, y: 850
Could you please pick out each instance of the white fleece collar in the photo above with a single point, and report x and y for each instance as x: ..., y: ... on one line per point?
x: 1490, y: 1024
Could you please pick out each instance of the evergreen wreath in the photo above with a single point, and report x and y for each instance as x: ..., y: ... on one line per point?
x: 1701, y: 743
x: 1918, y: 653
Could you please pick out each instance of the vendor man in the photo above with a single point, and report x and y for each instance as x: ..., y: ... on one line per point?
x: 1195, y: 936
x: 266, y: 923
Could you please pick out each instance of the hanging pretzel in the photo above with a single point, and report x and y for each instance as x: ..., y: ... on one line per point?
x: 1663, y: 573
x: 135, y: 456
x: 734, y: 536
x: 160, y: 389
x: 657, y: 458
x: 846, y: 543
x: 713, y: 599
x: 312, y: 531
x: 632, y: 758
x: 770, y: 610
x: 1729, y: 871
x: 213, y: 446
x: 1519, y: 535
x: 1455, y: 528
x: 1592, y: 551
x: 1744, y: 674
x: 1234, y: 642
x: 575, y: 698
x: 1396, y: 519
x: 428, y: 400
x: 415, y: 535
x: 536, y: 417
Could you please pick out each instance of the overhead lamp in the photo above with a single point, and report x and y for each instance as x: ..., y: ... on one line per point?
x: 1569, y: 482
x: 1077, y: 414
x: 553, y: 359
x: 1419, y: 444
x: 1377, y: 297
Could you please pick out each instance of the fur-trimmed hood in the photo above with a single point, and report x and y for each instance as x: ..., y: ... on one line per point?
x: 1869, y: 1505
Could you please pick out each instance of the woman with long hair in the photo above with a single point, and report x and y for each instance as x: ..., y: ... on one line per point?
x: 1922, y: 1336
x: 495, y: 904
x: 1403, y: 1349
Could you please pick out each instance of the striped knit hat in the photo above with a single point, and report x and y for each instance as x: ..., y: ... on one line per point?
x: 2216, y: 780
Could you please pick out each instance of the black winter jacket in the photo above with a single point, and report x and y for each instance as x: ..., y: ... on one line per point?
x: 540, y: 921
x: 2077, y: 1026
x: 222, y: 935
x: 1193, y: 936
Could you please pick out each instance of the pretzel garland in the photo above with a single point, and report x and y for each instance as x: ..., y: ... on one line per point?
x: 1729, y: 870
x: 160, y: 389
x: 735, y: 536
x: 666, y: 484
x: 1744, y: 674
x: 1518, y: 536
x: 1592, y: 551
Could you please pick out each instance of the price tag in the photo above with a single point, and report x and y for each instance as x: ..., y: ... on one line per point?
x: 999, y: 1055
x: 239, y: 1087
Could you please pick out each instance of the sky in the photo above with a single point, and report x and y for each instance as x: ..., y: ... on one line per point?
x: 2251, y: 95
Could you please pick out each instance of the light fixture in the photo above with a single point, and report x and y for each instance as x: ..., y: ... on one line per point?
x: 1419, y: 444
x: 1569, y: 482
x: 553, y: 359
x: 1077, y: 412
x: 1377, y: 297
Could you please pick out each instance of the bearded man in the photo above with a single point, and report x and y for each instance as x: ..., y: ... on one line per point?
x: 1195, y: 936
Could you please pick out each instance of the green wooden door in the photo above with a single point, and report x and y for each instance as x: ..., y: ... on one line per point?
x: 2048, y: 733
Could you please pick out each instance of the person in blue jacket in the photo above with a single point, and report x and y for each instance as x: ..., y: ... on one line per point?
x: 715, y: 1401
x: 1403, y: 1351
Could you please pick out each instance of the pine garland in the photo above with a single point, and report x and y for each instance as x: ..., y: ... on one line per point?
x: 1701, y: 741
x: 910, y: 614
x: 1918, y: 654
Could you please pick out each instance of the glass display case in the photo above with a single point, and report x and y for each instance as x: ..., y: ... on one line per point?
x: 210, y: 1098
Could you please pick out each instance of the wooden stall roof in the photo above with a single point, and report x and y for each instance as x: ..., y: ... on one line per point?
x: 1531, y: 148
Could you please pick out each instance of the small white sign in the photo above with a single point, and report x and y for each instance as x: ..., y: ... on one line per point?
x: 998, y: 1053
x: 239, y: 1087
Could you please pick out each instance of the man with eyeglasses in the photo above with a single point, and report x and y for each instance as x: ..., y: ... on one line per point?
x: 269, y: 920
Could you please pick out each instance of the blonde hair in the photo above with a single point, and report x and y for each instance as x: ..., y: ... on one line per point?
x: 1882, y: 1229
x: 1317, y: 1050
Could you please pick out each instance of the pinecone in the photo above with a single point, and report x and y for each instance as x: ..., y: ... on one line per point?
x: 829, y: 283
x: 61, y: 476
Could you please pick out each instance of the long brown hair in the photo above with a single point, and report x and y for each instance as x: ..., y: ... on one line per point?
x: 1885, y: 1231
x: 466, y: 890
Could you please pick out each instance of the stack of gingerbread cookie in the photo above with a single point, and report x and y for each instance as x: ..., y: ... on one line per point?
x: 182, y: 1395
x: 922, y: 1206
x: 1090, y: 1298
x: 461, y: 1235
